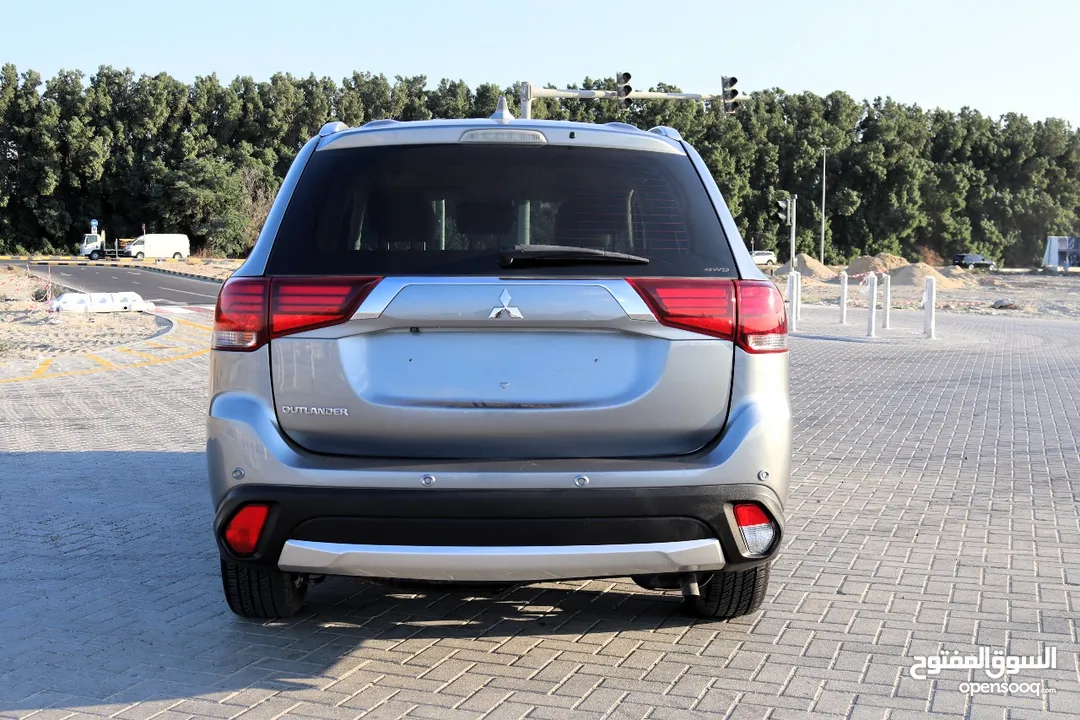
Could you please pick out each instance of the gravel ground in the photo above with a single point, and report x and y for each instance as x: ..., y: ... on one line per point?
x: 1045, y: 295
x: 217, y: 269
x: 28, y: 331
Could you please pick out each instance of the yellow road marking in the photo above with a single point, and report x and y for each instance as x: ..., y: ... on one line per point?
x: 155, y: 343
x: 195, y: 325
x: 136, y: 352
x: 101, y: 361
x: 42, y: 368
x: 91, y: 371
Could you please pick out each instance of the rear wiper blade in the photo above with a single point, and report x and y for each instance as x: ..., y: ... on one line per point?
x: 539, y: 254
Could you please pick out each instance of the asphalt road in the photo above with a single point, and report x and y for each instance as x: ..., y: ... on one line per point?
x: 159, y: 288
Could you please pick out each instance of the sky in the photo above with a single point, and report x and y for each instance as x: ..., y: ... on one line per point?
x: 996, y: 56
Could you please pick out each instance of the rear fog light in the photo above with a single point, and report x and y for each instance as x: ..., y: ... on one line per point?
x: 757, y: 530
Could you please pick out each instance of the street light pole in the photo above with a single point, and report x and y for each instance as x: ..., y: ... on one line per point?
x: 824, y: 151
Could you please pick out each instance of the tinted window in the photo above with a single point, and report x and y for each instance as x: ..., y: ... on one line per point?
x: 449, y: 209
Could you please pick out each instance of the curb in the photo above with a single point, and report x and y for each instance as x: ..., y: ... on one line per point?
x: 105, y: 263
x: 121, y: 261
x: 167, y: 271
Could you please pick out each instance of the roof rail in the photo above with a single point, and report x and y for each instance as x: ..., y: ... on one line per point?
x: 334, y: 126
x: 668, y: 132
x: 379, y: 123
x: 623, y: 126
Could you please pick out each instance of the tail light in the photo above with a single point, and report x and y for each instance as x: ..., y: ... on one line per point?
x: 757, y: 530
x: 244, y: 529
x: 749, y: 313
x: 251, y: 311
x: 240, y: 314
x: 762, y: 319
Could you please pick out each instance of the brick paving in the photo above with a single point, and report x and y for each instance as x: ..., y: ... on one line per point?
x: 934, y: 507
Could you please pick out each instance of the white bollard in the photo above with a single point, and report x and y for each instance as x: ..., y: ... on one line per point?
x: 871, y: 296
x: 792, y: 293
x: 844, y: 297
x: 798, y: 296
x: 887, y: 300
x: 930, y: 306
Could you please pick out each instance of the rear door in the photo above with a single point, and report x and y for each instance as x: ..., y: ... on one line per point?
x: 475, y: 330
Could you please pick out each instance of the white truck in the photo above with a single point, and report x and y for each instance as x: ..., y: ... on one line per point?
x: 95, y: 247
x: 158, y: 245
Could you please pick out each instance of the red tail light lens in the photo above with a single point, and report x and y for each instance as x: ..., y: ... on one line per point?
x: 701, y: 306
x: 746, y: 515
x: 244, y: 529
x: 251, y: 311
x: 240, y: 315
x: 762, y: 318
x: 747, y: 312
x: 298, y: 304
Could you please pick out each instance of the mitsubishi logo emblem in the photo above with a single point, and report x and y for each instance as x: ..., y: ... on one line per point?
x: 506, y: 310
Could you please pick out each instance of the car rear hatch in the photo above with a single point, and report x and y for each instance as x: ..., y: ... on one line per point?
x: 495, y: 300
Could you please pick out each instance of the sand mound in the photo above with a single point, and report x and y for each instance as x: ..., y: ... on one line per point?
x: 915, y: 275
x: 891, y: 262
x: 809, y: 267
x: 954, y: 272
x: 866, y: 264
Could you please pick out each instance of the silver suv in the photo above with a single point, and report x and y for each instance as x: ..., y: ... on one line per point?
x: 498, y: 351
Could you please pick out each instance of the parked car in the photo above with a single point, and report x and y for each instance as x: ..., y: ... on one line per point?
x: 971, y: 260
x: 764, y: 257
x: 159, y: 245
x: 408, y: 382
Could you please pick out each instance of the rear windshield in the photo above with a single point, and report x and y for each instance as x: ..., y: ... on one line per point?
x: 451, y: 209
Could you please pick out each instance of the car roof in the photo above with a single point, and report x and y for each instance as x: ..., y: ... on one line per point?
x: 554, y: 132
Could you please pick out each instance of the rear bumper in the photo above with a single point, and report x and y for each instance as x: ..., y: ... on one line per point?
x: 496, y: 564
x: 500, y: 535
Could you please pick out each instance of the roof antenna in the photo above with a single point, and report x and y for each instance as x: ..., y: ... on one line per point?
x: 502, y: 112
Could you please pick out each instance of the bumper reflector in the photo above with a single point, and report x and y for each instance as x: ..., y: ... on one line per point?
x: 243, y: 531
x: 757, y: 530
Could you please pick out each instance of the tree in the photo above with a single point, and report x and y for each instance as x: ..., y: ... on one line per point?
x: 206, y: 158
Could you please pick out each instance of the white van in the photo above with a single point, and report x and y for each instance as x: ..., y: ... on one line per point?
x: 159, y: 245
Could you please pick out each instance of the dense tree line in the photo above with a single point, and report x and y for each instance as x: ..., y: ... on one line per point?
x: 207, y: 158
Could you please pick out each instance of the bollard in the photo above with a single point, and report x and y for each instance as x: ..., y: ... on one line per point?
x: 798, y: 296
x: 930, y: 305
x: 843, y: 297
x: 871, y: 296
x: 792, y: 293
x: 887, y: 300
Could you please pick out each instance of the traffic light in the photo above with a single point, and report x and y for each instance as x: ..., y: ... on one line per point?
x: 623, y: 89
x: 784, y: 213
x: 730, y: 94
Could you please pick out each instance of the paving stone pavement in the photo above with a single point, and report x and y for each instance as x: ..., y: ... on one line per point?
x: 934, y: 507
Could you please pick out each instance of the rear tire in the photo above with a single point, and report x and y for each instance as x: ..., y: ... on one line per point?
x: 262, y: 593
x: 731, y: 594
x: 177, y: 256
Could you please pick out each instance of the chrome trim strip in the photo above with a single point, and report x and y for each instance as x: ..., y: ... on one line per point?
x: 497, y: 564
x: 384, y: 293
